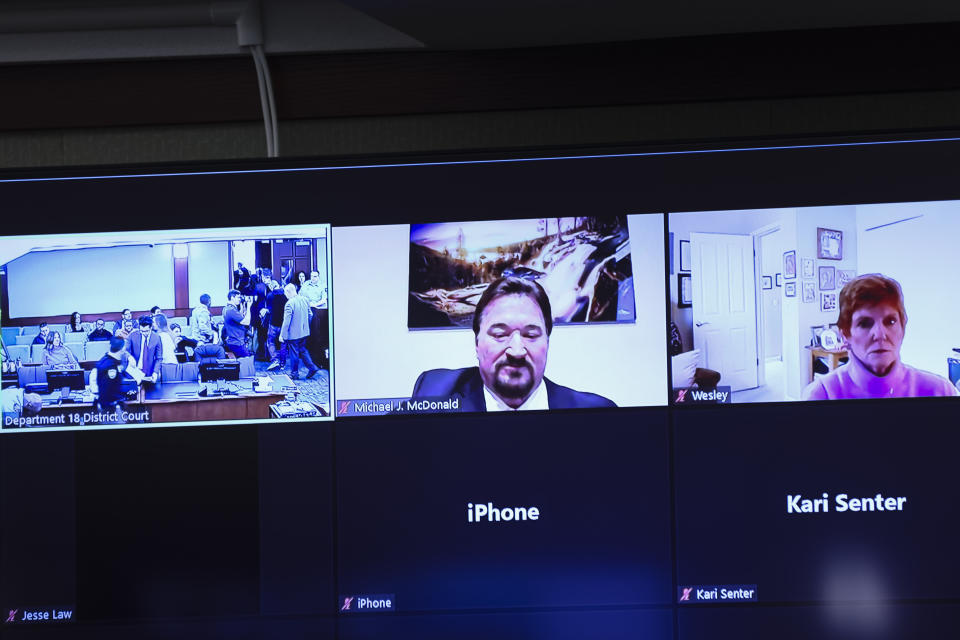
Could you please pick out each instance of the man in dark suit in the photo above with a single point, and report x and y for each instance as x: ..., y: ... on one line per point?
x: 100, y: 332
x: 512, y: 326
x: 276, y: 303
x: 42, y: 336
x: 146, y: 349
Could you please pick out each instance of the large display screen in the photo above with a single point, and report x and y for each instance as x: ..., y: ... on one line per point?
x: 485, y: 397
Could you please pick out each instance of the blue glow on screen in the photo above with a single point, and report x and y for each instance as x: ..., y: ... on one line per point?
x: 492, y: 161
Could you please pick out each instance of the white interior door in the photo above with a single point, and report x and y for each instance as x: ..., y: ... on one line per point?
x: 725, y: 306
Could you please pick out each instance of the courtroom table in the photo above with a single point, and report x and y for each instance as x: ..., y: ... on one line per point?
x: 168, y: 402
x: 181, y: 402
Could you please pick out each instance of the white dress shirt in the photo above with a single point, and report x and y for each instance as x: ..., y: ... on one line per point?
x: 536, y: 400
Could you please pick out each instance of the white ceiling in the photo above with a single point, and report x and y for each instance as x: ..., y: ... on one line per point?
x: 61, y: 30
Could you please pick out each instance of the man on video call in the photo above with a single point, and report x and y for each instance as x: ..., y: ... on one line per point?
x: 511, y: 326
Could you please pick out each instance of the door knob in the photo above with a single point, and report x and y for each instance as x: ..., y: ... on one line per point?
x: 700, y: 324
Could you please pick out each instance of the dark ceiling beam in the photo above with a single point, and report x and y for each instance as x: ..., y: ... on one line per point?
x: 769, y: 65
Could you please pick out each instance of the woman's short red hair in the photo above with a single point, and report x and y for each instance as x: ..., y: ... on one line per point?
x: 866, y: 291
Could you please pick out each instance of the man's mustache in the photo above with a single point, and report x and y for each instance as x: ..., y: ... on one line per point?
x: 512, y: 361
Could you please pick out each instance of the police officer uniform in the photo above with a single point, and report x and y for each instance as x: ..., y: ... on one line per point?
x: 110, y: 373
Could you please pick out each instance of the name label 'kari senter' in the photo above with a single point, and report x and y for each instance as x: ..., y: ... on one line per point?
x: 717, y: 593
x: 842, y: 502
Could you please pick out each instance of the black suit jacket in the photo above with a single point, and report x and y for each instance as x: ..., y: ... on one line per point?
x: 99, y: 334
x: 468, y: 385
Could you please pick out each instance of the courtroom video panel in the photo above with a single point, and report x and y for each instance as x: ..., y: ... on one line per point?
x: 502, y: 315
x: 165, y: 328
x: 814, y: 303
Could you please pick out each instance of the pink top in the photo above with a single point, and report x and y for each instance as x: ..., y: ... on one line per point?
x: 853, y: 380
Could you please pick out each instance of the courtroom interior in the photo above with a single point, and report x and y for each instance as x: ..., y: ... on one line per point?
x: 204, y: 325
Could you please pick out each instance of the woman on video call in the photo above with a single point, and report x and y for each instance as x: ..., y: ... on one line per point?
x: 872, y: 322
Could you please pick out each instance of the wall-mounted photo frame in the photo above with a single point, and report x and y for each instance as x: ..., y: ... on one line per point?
x: 790, y: 265
x: 828, y: 278
x: 807, y: 268
x: 684, y: 290
x: 790, y: 289
x: 684, y: 255
x: 767, y: 282
x: 829, y: 244
x: 828, y: 302
x: 779, y: 280
x: 451, y: 264
x: 844, y: 276
x: 809, y: 291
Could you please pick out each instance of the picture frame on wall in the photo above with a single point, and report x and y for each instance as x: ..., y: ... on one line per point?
x: 807, y: 268
x: 828, y: 302
x: 767, y: 282
x: 829, y: 244
x: 684, y: 255
x: 828, y: 279
x: 809, y: 291
x: 779, y: 280
x: 684, y: 290
x: 790, y: 265
x: 790, y: 290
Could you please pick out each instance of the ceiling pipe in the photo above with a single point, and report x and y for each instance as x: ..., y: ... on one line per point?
x: 243, y: 15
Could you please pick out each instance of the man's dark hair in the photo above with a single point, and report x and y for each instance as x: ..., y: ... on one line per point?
x: 205, y: 299
x: 514, y: 286
x: 100, y: 320
x: 154, y: 310
x: 124, y: 311
x: 43, y: 324
x: 116, y: 344
x: 231, y: 293
x: 145, y: 321
x: 175, y: 326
